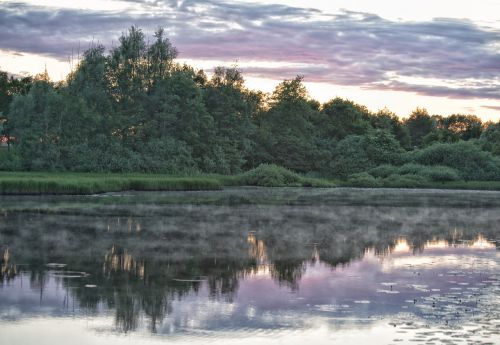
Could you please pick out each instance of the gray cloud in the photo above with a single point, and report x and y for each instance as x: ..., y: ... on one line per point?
x: 493, y: 107
x: 349, y: 48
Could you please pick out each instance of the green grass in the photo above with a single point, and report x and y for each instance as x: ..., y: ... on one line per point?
x: 407, y: 182
x: 73, y: 183
x: 266, y: 176
x: 92, y: 183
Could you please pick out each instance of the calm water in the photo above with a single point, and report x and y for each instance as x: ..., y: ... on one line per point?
x: 247, y: 265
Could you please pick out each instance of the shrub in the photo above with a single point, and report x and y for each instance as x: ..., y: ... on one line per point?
x: 411, y: 169
x: 363, y: 179
x: 10, y: 160
x: 468, y: 159
x: 441, y: 174
x: 383, y: 171
x: 270, y: 175
x: 358, y: 153
x: 404, y: 181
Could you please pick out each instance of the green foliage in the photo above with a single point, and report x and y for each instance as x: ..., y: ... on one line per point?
x: 10, y: 160
x: 91, y: 184
x: 404, y: 181
x: 270, y: 175
x: 419, y: 124
x: 383, y: 171
x: 434, y: 173
x: 341, y: 118
x: 364, y: 180
x: 287, y: 130
x: 233, y: 108
x: 468, y: 159
x: 453, y: 128
x: 317, y: 183
x: 387, y: 120
x: 343, y: 163
x: 5, y: 96
x: 466, y: 127
x: 358, y: 153
x: 441, y: 173
x: 490, y: 138
x: 440, y: 136
x: 411, y: 169
x: 135, y: 109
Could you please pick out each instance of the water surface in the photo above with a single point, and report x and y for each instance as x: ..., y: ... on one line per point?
x: 285, y: 265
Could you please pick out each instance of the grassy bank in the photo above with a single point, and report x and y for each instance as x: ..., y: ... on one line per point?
x: 458, y: 185
x: 72, y: 183
x: 92, y: 183
x: 265, y: 175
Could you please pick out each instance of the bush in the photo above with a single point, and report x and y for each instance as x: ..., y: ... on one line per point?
x: 270, y: 175
x: 411, y: 169
x: 412, y: 175
x: 358, y: 153
x: 468, y: 159
x: 404, y: 181
x: 441, y: 174
x: 363, y: 180
x: 383, y: 171
x: 10, y: 160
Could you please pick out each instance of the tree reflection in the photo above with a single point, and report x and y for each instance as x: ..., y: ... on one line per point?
x: 140, y: 266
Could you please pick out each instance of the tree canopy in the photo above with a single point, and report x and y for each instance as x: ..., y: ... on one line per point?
x: 136, y: 109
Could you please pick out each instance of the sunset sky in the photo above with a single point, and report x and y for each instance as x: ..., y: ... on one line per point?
x: 443, y: 55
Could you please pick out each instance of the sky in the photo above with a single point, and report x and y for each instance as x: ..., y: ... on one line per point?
x: 443, y: 55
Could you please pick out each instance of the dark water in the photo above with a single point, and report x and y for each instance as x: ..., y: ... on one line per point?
x: 247, y: 265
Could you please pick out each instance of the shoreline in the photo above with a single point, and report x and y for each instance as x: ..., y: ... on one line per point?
x: 48, y: 183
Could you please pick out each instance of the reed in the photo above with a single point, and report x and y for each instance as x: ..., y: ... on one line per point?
x: 61, y: 183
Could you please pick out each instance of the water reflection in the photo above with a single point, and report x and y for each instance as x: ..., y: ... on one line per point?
x: 9, y: 271
x: 184, y: 270
x: 119, y: 260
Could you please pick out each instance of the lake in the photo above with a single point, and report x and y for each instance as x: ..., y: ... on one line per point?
x: 251, y: 265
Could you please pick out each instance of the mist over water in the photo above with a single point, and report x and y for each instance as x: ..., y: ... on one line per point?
x: 251, y: 264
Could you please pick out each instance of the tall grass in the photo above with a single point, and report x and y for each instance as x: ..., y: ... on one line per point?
x: 409, y: 176
x: 271, y: 175
x: 92, y: 183
x: 60, y: 183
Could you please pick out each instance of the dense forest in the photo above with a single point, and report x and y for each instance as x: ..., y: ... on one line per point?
x: 135, y: 109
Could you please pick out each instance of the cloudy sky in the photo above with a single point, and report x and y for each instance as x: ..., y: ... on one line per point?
x: 440, y: 54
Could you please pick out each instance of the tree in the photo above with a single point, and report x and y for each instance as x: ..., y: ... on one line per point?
x: 387, y: 120
x: 8, y: 88
x: 466, y: 157
x: 137, y: 109
x: 33, y: 120
x: 342, y: 118
x: 127, y: 71
x: 464, y: 126
x: 5, y: 96
x: 90, y: 82
x: 287, y: 130
x: 490, y: 138
x: 233, y: 109
x: 358, y: 153
x: 174, y: 110
x: 160, y: 57
x: 5, y: 99
x: 419, y: 125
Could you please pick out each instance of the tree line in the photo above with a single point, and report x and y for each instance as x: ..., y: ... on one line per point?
x: 135, y: 109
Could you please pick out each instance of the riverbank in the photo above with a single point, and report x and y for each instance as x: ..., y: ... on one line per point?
x: 453, y: 185
x: 81, y: 183
x: 37, y: 183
